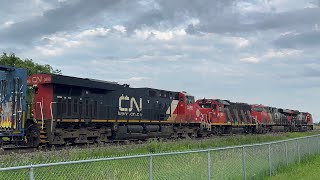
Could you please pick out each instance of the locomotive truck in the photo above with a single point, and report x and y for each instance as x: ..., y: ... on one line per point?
x: 65, y: 110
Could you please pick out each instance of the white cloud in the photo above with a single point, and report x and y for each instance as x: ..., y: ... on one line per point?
x: 120, y: 28
x: 282, y: 53
x: 269, y: 6
x: 254, y: 6
x: 289, y: 33
x: 71, y: 44
x: 169, y: 35
x: 239, y: 42
x: 57, y: 45
x: 160, y: 35
x: 93, y: 32
x: 131, y: 79
x: 193, y: 21
x: 272, y: 54
x: 49, y: 51
x: 8, y: 23
x: 63, y: 40
x: 250, y: 59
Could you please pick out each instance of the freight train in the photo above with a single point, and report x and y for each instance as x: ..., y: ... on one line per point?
x: 65, y: 110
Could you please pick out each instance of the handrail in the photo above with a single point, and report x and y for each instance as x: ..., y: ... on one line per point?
x: 41, y: 111
x: 52, y: 114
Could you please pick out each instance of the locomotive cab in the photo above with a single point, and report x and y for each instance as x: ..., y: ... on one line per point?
x: 214, y: 110
x: 187, y: 109
x: 309, y: 121
x: 260, y: 113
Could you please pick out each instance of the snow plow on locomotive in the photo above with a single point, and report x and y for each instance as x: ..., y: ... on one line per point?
x: 70, y: 110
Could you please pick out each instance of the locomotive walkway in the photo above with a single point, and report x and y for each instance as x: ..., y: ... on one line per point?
x: 234, y: 162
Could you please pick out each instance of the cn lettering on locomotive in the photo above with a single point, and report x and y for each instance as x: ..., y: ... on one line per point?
x: 133, y: 105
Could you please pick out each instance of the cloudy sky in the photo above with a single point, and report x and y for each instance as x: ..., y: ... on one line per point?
x: 255, y: 51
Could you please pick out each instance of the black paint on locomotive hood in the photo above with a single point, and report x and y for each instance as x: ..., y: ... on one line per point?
x: 236, y: 109
x: 84, y: 82
x: 93, y: 99
x: 141, y: 103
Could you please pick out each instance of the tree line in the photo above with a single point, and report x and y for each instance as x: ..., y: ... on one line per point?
x: 32, y: 67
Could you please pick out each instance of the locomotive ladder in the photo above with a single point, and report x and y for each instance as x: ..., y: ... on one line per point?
x: 43, y: 133
x: 205, y: 123
x: 40, y: 123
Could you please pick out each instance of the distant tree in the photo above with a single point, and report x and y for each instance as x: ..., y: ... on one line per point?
x: 32, y: 67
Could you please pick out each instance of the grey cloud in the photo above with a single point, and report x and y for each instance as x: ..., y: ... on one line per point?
x: 300, y: 17
x: 222, y: 17
x: 67, y: 16
x: 219, y: 16
x: 172, y: 13
x: 17, y: 11
x: 311, y: 72
x: 309, y: 39
x: 289, y: 21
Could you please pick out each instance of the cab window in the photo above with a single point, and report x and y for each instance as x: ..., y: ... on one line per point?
x: 214, y: 107
x: 190, y: 99
x: 258, y: 109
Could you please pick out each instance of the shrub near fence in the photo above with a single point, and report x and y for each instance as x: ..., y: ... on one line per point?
x: 237, y: 162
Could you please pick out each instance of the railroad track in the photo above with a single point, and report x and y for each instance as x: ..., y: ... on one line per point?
x: 23, y: 149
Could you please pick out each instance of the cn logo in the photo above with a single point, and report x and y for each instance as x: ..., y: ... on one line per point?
x: 133, y: 104
x: 37, y: 79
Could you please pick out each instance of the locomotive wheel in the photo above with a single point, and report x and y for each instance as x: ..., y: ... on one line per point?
x: 33, y: 135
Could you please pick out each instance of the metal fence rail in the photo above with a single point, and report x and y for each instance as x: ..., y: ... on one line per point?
x: 235, y: 162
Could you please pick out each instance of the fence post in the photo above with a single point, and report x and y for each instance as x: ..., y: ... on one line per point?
x: 209, y: 165
x: 298, y: 150
x: 244, y: 162
x: 287, y: 160
x: 150, y: 167
x: 309, y: 147
x: 318, y: 144
x: 270, y: 163
x: 31, y: 173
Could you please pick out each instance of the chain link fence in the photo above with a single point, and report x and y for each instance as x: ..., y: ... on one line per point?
x: 236, y: 162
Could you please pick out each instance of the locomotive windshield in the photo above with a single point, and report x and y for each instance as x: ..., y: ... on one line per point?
x: 205, y: 105
x: 258, y: 109
x: 190, y: 99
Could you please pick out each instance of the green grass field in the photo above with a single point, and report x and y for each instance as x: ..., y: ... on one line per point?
x: 308, y: 169
x: 226, y: 164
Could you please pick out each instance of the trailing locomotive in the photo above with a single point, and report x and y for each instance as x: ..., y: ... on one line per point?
x: 70, y: 110
x: 12, y: 103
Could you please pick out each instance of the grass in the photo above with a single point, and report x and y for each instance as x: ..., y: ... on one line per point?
x: 226, y: 164
x: 316, y: 127
x: 308, y: 169
x: 16, y: 159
